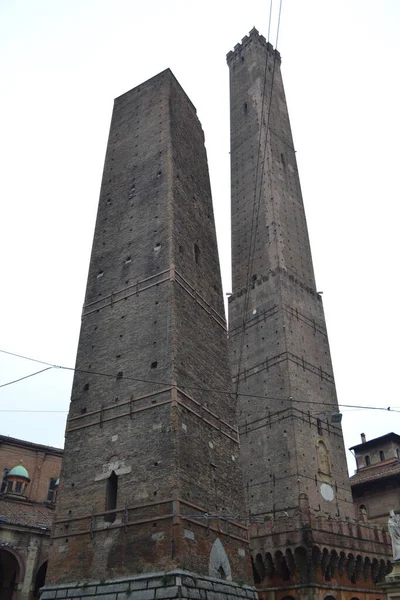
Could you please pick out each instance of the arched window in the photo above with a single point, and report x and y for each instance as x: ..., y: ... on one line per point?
x: 111, y: 497
x: 324, y: 464
x: 40, y: 579
x: 367, y: 461
x: 9, y: 571
x: 382, y: 454
x: 362, y: 509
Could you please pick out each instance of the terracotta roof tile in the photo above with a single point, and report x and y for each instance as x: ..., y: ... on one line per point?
x: 375, y: 472
x: 26, y: 514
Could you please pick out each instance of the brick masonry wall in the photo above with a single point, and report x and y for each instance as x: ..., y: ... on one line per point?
x: 153, y: 321
x: 288, y: 447
x: 42, y: 465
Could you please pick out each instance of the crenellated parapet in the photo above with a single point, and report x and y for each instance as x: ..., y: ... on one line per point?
x: 254, y: 37
x: 303, y: 546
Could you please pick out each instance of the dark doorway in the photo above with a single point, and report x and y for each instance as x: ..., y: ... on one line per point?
x: 40, y: 579
x: 9, y: 571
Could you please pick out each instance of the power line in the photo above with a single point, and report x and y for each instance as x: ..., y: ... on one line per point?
x: 257, y: 202
x: 25, y: 377
x: 187, y: 387
x: 11, y: 410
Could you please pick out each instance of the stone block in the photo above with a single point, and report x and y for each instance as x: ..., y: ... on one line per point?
x: 114, y: 588
x: 205, y: 585
x: 90, y: 590
x: 74, y: 592
x: 143, y: 595
x: 217, y: 596
x: 188, y: 581
x: 167, y: 592
x: 224, y: 589
x: 193, y: 593
x: 104, y: 597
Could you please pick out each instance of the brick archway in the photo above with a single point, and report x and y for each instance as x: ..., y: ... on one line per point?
x: 11, y: 573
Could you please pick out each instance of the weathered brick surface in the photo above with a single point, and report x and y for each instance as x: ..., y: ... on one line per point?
x: 43, y: 463
x: 284, y: 352
x: 153, y: 320
x: 293, y: 455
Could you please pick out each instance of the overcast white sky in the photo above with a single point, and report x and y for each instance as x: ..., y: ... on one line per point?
x: 62, y: 64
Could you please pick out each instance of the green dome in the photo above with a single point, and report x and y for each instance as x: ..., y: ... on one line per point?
x: 18, y: 471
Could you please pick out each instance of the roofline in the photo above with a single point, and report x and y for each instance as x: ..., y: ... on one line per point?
x: 4, y: 439
x: 377, y: 440
x: 373, y: 479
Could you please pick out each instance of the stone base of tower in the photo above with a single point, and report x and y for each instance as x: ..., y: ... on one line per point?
x: 391, y: 585
x: 152, y: 586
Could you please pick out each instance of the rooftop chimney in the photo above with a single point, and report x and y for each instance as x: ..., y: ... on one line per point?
x: 363, y: 440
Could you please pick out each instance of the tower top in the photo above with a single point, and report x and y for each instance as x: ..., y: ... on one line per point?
x: 254, y: 37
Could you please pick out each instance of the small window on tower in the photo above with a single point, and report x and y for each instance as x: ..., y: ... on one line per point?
x: 367, y: 461
x: 382, y: 455
x: 196, y: 253
x: 111, y: 497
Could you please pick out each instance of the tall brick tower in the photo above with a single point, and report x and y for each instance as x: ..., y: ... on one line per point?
x: 151, y: 490
x: 292, y: 449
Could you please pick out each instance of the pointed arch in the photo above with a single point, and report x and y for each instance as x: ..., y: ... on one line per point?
x: 219, y: 565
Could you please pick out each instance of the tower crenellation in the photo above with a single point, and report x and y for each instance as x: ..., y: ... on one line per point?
x: 254, y: 37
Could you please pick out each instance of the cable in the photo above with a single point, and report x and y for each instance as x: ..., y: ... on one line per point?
x: 198, y: 388
x: 11, y: 410
x: 26, y: 377
x: 256, y: 203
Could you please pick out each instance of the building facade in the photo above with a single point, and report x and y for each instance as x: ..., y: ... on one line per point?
x: 28, y: 492
x: 376, y: 483
x: 305, y: 540
x: 151, y: 489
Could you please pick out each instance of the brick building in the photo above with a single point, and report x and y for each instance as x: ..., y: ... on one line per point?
x: 29, y: 474
x: 305, y: 540
x: 151, y: 490
x: 376, y: 483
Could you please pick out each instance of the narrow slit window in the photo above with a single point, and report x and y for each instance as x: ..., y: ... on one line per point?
x: 367, y: 461
x: 196, y: 254
x: 111, y: 497
x: 382, y: 455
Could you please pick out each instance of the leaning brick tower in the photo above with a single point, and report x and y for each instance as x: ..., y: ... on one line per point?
x: 150, y: 503
x: 293, y: 455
